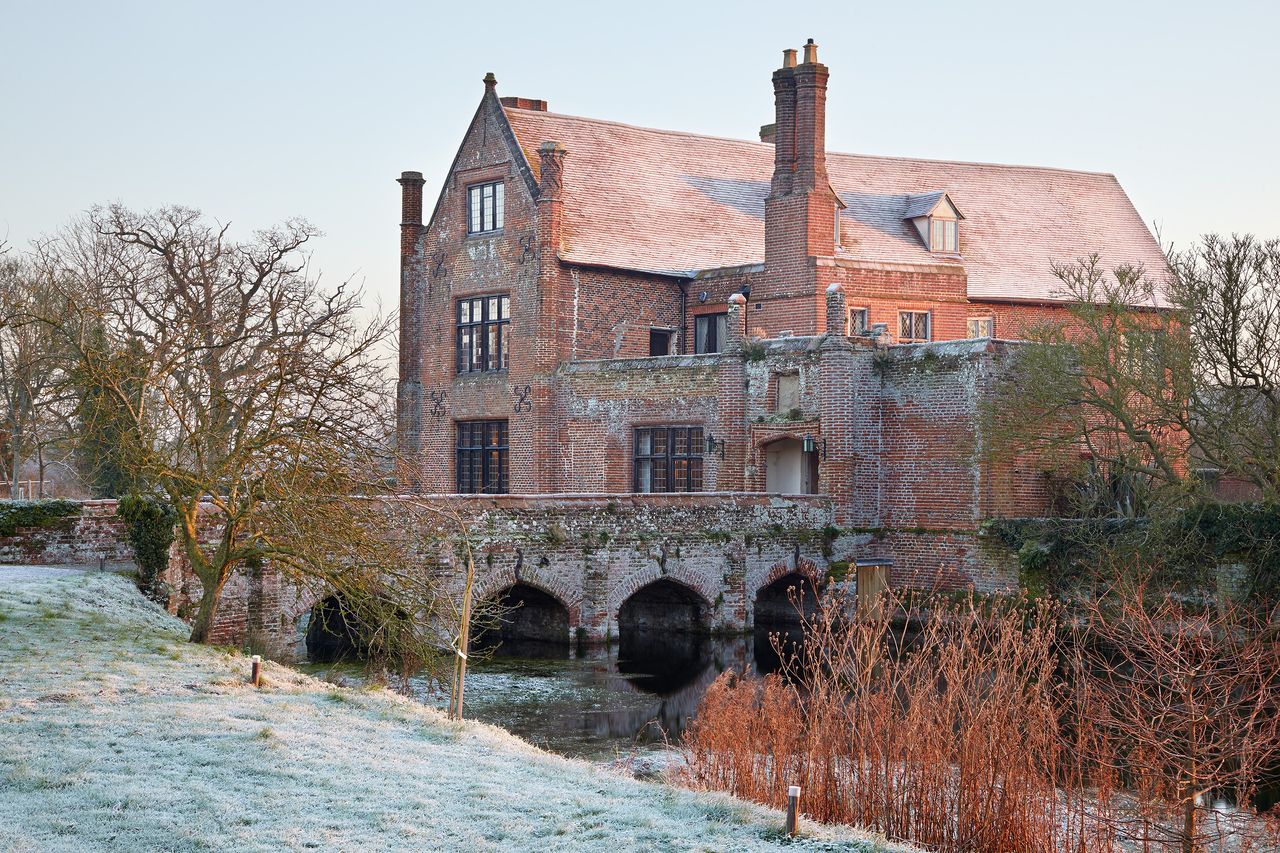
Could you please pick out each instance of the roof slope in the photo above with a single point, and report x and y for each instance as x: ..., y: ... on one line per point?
x: 677, y: 203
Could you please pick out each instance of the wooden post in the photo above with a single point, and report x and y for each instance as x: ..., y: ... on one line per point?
x: 255, y: 671
x: 793, y: 810
x: 872, y: 580
x: 464, y: 642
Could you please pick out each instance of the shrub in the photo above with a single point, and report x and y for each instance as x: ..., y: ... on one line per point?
x: 150, y: 523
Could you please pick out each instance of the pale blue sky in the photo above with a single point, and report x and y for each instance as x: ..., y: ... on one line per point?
x: 258, y: 111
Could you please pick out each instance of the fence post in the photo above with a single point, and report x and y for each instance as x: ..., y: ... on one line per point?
x: 255, y: 671
x: 793, y: 810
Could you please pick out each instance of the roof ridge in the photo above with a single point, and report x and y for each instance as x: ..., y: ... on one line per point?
x: 898, y: 158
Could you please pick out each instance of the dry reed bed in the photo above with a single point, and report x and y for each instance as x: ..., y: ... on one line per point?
x: 1003, y: 726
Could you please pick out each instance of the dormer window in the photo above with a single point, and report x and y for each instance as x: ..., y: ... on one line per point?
x: 937, y: 220
x: 942, y: 235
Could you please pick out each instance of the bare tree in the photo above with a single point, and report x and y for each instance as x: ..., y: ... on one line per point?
x: 255, y: 400
x: 34, y: 392
x: 1153, y: 369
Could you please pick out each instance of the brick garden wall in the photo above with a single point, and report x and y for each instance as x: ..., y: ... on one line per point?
x: 80, y: 540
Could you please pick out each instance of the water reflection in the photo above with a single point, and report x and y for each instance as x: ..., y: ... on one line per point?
x: 601, y: 702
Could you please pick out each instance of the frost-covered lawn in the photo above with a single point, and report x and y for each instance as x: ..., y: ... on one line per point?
x: 117, y: 734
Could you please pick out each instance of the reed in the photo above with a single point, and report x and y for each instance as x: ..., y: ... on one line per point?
x: 964, y: 725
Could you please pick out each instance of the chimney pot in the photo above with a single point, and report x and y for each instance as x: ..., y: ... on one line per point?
x: 789, y: 58
x: 810, y: 53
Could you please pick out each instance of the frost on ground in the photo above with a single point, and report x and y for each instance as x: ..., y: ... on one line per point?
x: 118, y: 734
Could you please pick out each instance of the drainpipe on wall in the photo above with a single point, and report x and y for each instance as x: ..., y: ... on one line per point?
x: 683, y: 284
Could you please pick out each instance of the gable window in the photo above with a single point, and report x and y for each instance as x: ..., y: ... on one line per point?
x: 483, y: 324
x: 982, y: 327
x: 859, y: 321
x: 709, y: 331
x: 485, y: 203
x: 943, y: 235
x: 482, y: 457
x: 668, y: 459
x: 913, y: 327
x: 659, y: 342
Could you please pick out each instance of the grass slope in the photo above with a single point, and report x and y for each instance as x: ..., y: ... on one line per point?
x: 117, y: 734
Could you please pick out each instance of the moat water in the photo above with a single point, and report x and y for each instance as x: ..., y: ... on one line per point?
x: 600, y: 703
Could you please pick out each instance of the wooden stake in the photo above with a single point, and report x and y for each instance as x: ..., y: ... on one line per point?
x: 255, y: 671
x: 793, y: 810
x: 464, y: 642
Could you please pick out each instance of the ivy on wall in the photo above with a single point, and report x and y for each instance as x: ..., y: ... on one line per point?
x: 34, y: 514
x: 1184, y: 547
x: 150, y: 528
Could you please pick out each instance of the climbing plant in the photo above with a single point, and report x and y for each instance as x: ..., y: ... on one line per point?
x: 34, y: 514
x: 150, y: 523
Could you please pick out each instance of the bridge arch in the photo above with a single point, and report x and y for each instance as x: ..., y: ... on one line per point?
x: 663, y: 630
x: 786, y: 602
x: 701, y: 584
x: 526, y: 614
x: 666, y: 606
x: 332, y: 633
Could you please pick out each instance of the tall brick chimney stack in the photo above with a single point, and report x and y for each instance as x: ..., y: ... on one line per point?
x: 410, y: 210
x: 409, y: 388
x: 555, y: 346
x: 784, y: 133
x: 800, y: 212
x: 811, y: 121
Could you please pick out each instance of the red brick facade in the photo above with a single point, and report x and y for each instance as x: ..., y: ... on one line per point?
x: 889, y: 432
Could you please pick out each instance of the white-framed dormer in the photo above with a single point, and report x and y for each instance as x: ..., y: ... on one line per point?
x: 937, y: 220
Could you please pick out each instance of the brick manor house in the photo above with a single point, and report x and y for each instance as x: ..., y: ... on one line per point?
x: 599, y: 308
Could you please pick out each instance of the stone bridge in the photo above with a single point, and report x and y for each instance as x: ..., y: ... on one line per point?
x: 594, y: 568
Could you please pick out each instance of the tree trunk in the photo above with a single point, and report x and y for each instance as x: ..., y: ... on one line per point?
x: 1189, y: 827
x: 210, y: 598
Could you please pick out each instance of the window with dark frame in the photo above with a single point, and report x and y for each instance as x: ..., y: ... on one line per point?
x: 485, y: 203
x: 483, y: 323
x: 668, y: 459
x: 482, y: 457
x: 709, y: 332
x: 659, y: 342
x: 913, y: 327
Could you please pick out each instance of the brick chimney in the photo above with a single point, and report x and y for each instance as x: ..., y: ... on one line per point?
x: 800, y: 212
x: 409, y: 388
x: 811, y: 121
x: 550, y: 225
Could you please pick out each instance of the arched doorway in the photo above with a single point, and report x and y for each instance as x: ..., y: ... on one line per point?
x: 781, y: 610
x: 788, y: 469
x: 528, y: 623
x: 662, y: 636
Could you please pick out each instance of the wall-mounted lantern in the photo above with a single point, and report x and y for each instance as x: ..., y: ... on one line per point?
x: 811, y: 445
x: 714, y: 444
